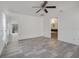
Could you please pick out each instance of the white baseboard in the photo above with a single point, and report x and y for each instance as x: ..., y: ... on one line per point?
x: 71, y: 42
x: 29, y: 37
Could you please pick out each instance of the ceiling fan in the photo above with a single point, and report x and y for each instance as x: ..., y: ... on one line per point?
x: 44, y: 7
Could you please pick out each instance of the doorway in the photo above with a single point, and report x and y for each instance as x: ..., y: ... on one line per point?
x: 54, y: 29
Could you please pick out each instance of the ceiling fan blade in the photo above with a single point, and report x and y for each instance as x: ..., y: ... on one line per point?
x: 38, y: 10
x: 50, y: 6
x: 46, y: 10
x: 36, y: 7
x: 44, y: 4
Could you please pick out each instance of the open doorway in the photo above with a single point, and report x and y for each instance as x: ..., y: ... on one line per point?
x: 54, y: 29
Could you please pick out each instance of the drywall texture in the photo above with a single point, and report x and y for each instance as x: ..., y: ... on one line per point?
x: 1, y: 34
x: 68, y: 26
x: 28, y: 26
x: 33, y: 26
x: 68, y: 21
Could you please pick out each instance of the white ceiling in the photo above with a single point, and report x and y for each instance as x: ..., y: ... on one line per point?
x: 25, y: 7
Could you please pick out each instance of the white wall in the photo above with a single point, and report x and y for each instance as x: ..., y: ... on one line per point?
x: 47, y: 23
x: 68, y: 25
x: 47, y: 27
x: 29, y: 26
x: 3, y: 31
x: 65, y: 26
x: 1, y: 34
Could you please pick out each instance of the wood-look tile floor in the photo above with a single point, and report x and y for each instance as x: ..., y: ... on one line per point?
x: 40, y: 47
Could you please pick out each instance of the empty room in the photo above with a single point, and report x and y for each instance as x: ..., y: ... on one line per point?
x: 39, y: 29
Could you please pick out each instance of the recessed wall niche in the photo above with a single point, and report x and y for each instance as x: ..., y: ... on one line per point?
x: 14, y: 28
